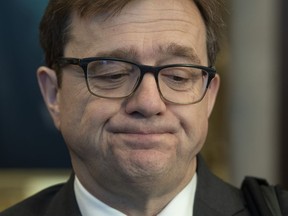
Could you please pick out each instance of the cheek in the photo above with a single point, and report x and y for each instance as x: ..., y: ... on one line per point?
x: 194, y: 124
x: 72, y: 102
x: 83, y: 119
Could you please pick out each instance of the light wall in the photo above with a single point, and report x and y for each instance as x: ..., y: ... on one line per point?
x: 18, y: 184
x: 254, y: 89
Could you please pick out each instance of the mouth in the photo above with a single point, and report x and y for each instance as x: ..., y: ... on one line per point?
x: 139, y: 129
x: 143, y: 140
x: 142, y: 135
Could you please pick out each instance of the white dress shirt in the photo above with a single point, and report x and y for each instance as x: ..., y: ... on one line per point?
x: 180, y: 205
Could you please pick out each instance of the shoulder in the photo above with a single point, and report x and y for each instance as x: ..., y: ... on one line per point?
x: 215, y: 186
x: 34, y: 205
x: 216, y: 197
x: 283, y: 199
x: 56, y: 200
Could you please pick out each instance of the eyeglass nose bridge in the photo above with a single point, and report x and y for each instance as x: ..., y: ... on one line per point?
x: 144, y: 69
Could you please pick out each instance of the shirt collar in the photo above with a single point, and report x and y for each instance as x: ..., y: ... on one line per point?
x: 182, y: 204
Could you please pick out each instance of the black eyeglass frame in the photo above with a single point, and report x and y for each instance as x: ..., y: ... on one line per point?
x: 155, y: 70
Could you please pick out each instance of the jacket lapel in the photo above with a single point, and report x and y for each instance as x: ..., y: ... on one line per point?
x: 64, y: 203
x: 215, y: 197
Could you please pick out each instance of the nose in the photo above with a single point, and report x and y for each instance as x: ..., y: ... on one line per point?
x: 146, y: 101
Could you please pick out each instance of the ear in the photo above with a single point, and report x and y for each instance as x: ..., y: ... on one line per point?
x: 212, y: 92
x: 47, y: 81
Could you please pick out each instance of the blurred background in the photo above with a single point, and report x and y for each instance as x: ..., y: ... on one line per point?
x: 248, y: 129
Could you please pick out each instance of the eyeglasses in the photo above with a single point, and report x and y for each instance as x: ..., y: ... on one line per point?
x: 117, y: 78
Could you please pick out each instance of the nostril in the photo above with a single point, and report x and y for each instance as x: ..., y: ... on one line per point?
x: 137, y: 115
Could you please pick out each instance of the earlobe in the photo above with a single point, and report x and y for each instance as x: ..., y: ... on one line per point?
x: 212, y: 93
x: 47, y: 81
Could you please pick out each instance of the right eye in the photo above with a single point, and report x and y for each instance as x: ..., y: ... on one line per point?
x: 109, y: 74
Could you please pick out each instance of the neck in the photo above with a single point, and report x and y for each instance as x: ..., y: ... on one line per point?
x: 136, y: 198
x: 134, y: 193
x: 152, y: 206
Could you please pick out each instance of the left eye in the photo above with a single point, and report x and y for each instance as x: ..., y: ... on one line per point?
x: 112, y: 76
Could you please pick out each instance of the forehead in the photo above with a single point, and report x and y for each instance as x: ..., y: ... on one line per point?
x: 141, y: 26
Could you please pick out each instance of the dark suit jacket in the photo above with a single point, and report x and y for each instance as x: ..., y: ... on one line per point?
x: 213, y: 198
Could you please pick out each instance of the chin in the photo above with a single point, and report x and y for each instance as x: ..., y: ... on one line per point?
x: 146, y: 164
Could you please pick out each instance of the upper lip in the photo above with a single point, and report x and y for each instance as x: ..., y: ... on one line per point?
x: 141, y: 129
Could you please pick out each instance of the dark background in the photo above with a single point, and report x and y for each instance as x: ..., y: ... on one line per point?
x: 28, y: 138
x: 283, y: 113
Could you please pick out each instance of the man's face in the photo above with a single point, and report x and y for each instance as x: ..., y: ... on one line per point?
x: 140, y: 138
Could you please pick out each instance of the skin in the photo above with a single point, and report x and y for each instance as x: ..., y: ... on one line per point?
x: 137, y: 153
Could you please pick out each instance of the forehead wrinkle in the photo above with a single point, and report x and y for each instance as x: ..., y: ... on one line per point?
x: 149, y: 16
x: 162, y: 21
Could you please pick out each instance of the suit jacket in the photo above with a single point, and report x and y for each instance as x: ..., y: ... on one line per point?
x: 213, y: 198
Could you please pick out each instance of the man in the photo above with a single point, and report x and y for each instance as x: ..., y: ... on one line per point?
x: 131, y: 85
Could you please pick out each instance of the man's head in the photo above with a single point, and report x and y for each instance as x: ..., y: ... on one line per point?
x: 139, y: 146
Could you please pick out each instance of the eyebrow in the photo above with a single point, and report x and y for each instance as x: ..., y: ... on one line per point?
x: 165, y: 51
x: 177, y: 50
x: 121, y: 53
